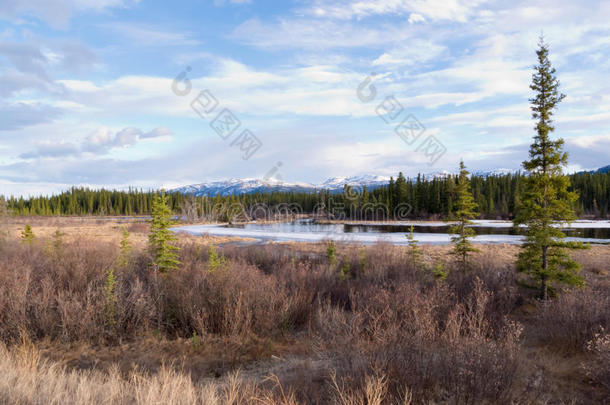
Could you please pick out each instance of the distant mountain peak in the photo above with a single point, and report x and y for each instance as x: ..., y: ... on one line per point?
x: 494, y: 172
x: 604, y: 169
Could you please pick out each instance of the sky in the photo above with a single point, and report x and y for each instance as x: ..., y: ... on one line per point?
x: 119, y: 93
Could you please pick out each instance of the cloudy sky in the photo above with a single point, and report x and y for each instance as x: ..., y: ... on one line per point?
x: 102, y: 92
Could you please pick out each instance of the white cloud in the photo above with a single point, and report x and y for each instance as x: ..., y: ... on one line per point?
x: 313, y: 34
x: 158, y: 132
x: 79, y: 85
x: 312, y: 90
x: 452, y: 10
x: 27, y: 66
x: 103, y: 140
x: 414, y: 52
x: 98, y: 142
x: 415, y: 18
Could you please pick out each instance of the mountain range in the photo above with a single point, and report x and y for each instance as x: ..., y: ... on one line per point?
x: 248, y: 186
x: 334, y: 185
x: 604, y: 169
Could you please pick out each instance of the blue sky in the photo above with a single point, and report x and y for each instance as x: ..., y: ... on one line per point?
x: 86, y: 88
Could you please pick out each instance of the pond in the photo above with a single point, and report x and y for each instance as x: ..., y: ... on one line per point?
x: 425, y: 232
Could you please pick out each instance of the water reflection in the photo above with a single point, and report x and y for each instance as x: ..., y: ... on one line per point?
x: 308, y: 225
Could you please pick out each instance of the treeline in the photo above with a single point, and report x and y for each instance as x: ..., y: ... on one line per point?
x: 497, y: 196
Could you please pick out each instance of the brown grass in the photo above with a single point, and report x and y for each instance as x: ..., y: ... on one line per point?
x: 29, y: 379
x: 101, y: 229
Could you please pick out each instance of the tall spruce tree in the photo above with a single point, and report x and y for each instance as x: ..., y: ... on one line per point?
x: 401, y: 189
x: 464, y: 209
x: 161, y: 239
x: 414, y: 253
x: 546, y: 201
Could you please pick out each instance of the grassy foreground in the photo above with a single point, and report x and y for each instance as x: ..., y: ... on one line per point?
x: 283, y: 324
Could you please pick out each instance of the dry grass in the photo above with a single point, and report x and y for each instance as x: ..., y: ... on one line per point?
x: 102, y: 229
x: 28, y: 379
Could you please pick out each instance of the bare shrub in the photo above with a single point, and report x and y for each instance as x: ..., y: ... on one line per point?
x: 235, y: 300
x: 374, y: 392
x: 138, y: 227
x: 189, y: 210
x: 58, y: 293
x: 570, y: 321
x: 427, y: 340
x: 599, y: 369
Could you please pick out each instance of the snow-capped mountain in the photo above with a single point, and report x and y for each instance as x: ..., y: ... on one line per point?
x: 241, y: 186
x: 369, y: 180
x: 603, y: 170
x: 494, y: 172
x: 481, y: 173
x: 247, y: 186
x: 441, y: 175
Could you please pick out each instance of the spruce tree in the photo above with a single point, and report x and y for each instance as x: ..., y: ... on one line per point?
x: 58, y: 241
x: 414, y: 253
x: 110, y: 308
x: 546, y: 201
x: 401, y: 189
x: 110, y: 282
x: 27, y: 235
x: 215, y: 261
x: 161, y: 240
x: 331, y: 253
x: 125, y: 248
x: 464, y: 210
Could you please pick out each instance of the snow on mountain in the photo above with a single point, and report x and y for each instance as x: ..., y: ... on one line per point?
x: 603, y: 170
x: 442, y: 174
x: 481, y: 173
x: 241, y: 186
x: 494, y: 172
x: 368, y: 180
x: 247, y: 186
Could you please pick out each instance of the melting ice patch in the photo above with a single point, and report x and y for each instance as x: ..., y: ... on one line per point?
x: 315, y: 234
